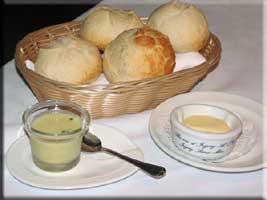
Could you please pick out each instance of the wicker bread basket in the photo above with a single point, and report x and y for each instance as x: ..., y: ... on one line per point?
x: 110, y: 99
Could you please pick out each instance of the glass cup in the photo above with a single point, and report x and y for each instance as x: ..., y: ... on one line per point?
x: 55, y: 150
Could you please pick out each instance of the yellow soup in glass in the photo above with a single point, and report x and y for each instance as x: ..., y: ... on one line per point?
x: 57, y: 123
x: 60, y: 142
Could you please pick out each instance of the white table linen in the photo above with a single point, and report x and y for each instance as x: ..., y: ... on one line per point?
x: 239, y: 28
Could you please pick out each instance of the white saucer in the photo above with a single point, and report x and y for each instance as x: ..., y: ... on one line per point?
x: 94, y: 169
x: 248, y: 153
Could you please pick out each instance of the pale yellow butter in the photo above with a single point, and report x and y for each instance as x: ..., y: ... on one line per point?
x: 205, y: 123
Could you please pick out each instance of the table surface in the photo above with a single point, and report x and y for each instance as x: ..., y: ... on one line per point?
x: 240, y: 72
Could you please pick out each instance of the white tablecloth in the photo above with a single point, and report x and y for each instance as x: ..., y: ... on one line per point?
x: 238, y: 26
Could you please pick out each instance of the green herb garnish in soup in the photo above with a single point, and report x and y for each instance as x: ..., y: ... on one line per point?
x: 56, y: 123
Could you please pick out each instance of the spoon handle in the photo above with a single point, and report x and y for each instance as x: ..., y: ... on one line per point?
x: 153, y: 170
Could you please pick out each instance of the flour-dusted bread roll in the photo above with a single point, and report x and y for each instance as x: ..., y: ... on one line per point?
x: 185, y: 25
x: 105, y: 23
x: 137, y: 54
x: 69, y: 59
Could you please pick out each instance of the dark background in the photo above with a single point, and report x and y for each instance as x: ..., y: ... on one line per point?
x: 19, y: 20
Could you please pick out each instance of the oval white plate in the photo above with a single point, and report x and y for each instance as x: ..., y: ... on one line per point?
x: 248, y: 110
x: 94, y: 169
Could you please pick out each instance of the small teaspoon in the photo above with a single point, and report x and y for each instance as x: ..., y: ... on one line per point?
x: 91, y: 143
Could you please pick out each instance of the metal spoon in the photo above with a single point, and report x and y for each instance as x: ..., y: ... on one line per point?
x: 92, y: 143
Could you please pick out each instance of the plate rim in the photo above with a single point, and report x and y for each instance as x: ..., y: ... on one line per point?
x: 199, y: 165
x: 132, y: 170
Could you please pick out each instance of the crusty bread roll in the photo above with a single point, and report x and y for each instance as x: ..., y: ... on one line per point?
x: 137, y: 54
x: 185, y: 25
x: 104, y: 23
x: 69, y: 59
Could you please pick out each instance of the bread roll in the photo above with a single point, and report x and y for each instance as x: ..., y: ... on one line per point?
x: 185, y: 25
x: 69, y: 59
x: 137, y: 54
x: 104, y: 23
